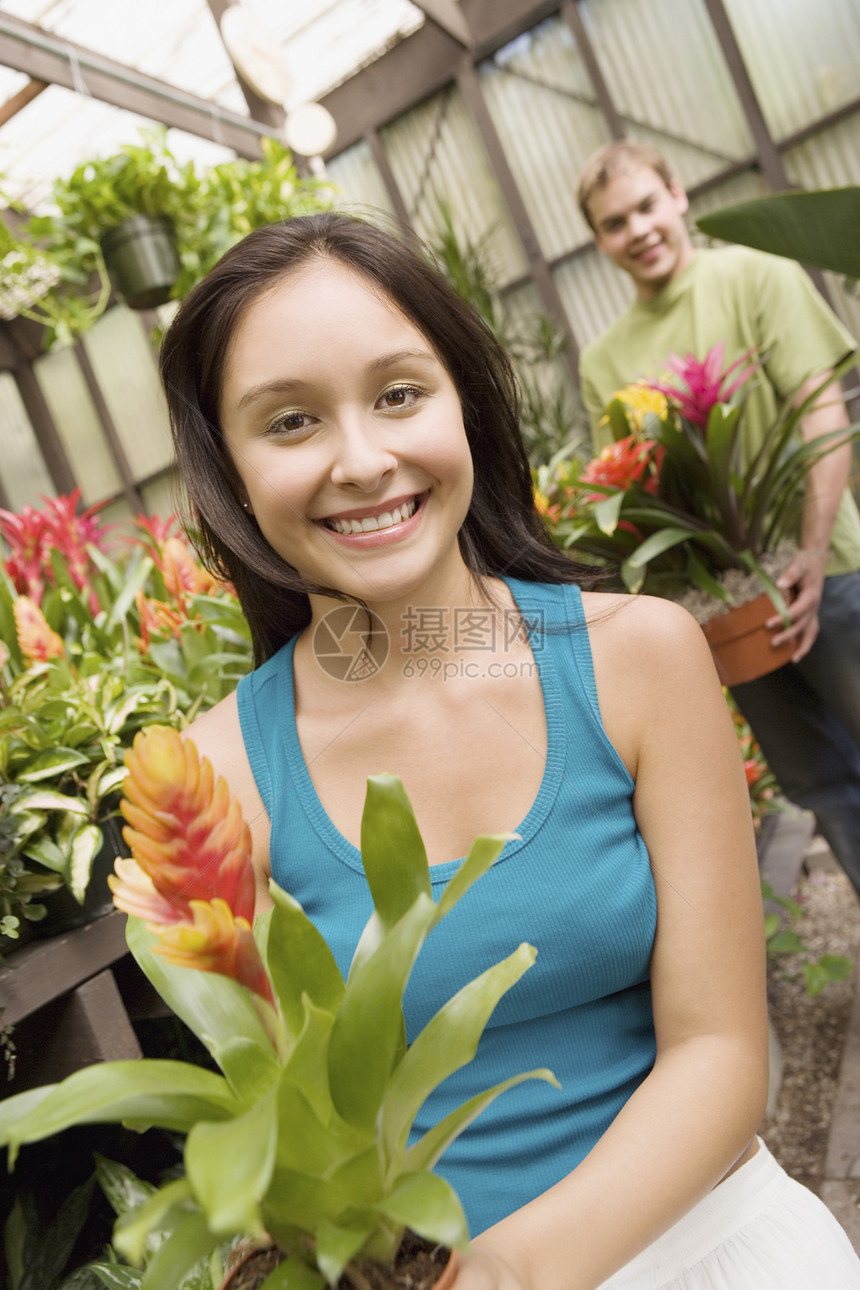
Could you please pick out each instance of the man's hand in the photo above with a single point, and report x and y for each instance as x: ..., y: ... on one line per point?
x: 804, y: 580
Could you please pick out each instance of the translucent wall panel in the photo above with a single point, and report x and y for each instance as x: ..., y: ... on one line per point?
x: 803, y: 56
x: 593, y: 291
x: 78, y: 425
x: 124, y: 363
x: 436, y: 155
x: 669, y: 81
x: 22, y: 468
x: 831, y: 159
x: 358, y: 181
x: 542, y: 103
x: 162, y: 495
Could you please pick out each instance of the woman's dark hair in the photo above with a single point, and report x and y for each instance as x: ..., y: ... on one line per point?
x: 502, y: 532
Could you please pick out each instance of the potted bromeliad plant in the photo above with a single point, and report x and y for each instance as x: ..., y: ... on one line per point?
x: 299, y: 1149
x: 675, y: 505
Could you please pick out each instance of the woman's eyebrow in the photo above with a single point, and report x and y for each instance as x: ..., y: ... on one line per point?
x: 289, y: 385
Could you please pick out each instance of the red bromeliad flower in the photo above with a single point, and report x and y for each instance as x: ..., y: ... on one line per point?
x: 32, y: 535
x: 625, y: 462
x: 753, y: 771
x: 190, y: 877
x: 37, y: 640
x: 704, y: 383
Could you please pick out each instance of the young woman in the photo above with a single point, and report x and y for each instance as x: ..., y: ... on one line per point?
x: 347, y: 431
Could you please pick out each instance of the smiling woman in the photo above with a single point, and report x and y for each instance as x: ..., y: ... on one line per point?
x: 347, y: 429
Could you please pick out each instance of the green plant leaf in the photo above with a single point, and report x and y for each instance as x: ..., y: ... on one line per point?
x: 607, y: 512
x: 293, y: 1274
x: 424, y: 1153
x: 173, y: 1095
x: 299, y: 962
x: 785, y: 942
x: 251, y: 1070
x: 429, y: 1206
x: 122, y: 1187
x: 369, y: 1022
x: 52, y: 764
x: 47, y: 800
x: 117, y: 1277
x: 616, y: 414
x: 817, y: 228
x: 483, y: 854
x: 189, y: 1242
x: 447, y: 1042
x: 214, y: 1007
x: 392, y: 850
x: 829, y: 968
x: 335, y: 1246
x: 131, y: 1231
x: 230, y: 1164
x: 85, y: 844
x: 655, y: 545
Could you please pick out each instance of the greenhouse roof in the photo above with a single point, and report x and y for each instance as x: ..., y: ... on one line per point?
x: 177, y: 42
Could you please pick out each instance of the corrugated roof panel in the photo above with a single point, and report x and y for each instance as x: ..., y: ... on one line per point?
x: 593, y: 292
x: 542, y: 102
x: 436, y: 155
x: 22, y: 468
x: 669, y: 81
x: 829, y: 159
x: 359, y: 182
x: 803, y: 56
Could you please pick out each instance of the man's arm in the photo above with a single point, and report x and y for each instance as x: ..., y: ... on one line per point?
x: 825, y: 484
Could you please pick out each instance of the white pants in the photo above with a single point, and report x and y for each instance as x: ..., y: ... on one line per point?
x: 758, y: 1230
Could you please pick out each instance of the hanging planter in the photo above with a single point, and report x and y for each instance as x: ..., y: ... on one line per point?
x: 143, y: 260
x: 741, y: 643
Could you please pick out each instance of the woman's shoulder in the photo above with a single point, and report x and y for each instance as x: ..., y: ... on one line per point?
x: 644, y: 638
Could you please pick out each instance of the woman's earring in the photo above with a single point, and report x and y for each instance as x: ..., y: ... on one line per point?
x: 244, y: 506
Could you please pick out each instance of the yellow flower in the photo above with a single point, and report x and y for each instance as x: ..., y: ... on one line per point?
x: 37, y: 640
x: 640, y: 399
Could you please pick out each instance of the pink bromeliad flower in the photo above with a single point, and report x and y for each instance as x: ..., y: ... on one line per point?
x: 703, y: 383
x: 32, y: 535
x: 190, y: 877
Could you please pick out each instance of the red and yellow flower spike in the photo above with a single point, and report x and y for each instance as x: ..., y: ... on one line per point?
x: 37, y: 640
x: 190, y: 877
x: 184, y: 829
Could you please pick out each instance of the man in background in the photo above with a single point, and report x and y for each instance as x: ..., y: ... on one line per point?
x: 805, y: 715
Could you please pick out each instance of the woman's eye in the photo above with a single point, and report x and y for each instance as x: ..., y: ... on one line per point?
x: 401, y: 396
x: 289, y: 423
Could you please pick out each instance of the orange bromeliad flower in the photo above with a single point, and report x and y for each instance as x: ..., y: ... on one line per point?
x: 37, y: 640
x: 190, y: 878
x: 183, y: 576
x: 623, y: 463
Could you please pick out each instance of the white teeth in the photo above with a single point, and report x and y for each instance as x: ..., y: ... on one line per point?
x: 385, y: 520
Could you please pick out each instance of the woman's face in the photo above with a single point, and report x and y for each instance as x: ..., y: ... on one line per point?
x: 347, y: 433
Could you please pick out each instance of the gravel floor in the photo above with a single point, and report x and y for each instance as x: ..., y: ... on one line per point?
x: 811, y: 1031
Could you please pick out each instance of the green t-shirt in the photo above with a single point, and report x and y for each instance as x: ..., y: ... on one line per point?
x: 749, y: 300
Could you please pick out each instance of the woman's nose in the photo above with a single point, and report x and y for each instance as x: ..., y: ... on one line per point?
x: 363, y: 459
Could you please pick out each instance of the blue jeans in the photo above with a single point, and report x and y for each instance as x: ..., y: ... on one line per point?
x: 806, y: 716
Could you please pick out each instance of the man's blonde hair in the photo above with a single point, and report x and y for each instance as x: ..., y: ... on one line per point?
x: 613, y: 159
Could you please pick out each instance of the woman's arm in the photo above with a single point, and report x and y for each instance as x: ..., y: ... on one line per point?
x: 217, y: 735
x: 695, y: 1113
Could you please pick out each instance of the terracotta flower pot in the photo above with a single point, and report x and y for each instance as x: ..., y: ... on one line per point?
x: 741, y: 644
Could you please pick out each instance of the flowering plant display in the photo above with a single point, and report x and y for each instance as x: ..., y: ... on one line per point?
x: 100, y: 635
x: 302, y: 1141
x: 672, y: 501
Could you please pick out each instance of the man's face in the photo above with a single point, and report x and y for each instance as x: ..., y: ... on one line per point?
x: 639, y: 224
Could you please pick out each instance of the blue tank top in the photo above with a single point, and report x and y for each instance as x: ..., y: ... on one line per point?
x: 577, y: 884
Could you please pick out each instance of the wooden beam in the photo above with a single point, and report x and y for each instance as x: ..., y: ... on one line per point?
x: 768, y: 154
x: 126, y: 474
x: 40, y: 418
x: 13, y: 105
x: 44, y: 970
x: 47, y: 58
x: 449, y: 17
x: 573, y: 18
x: 422, y: 64
x: 470, y: 88
x: 261, y: 109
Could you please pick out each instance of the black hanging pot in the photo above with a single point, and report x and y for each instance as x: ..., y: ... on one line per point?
x: 142, y: 259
